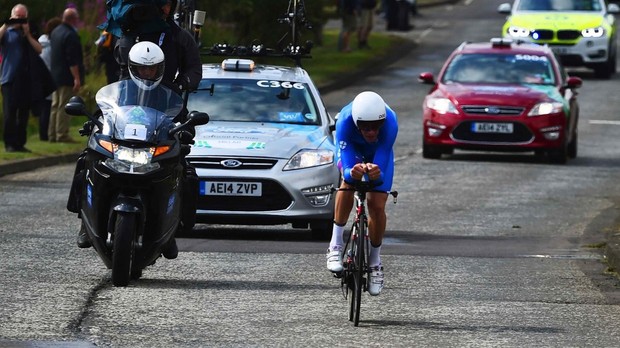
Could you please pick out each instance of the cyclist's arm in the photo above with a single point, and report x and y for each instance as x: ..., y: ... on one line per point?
x: 383, y: 154
x: 345, y: 131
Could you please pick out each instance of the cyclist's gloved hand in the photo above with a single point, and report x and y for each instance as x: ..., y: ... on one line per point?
x: 373, y: 171
x: 358, y: 171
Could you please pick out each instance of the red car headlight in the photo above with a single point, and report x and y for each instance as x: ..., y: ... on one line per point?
x: 441, y: 105
x: 546, y: 108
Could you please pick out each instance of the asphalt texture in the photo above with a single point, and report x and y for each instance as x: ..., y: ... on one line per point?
x: 612, y: 247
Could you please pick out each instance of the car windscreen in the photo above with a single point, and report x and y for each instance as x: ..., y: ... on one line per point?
x: 247, y: 100
x: 559, y: 5
x: 500, y: 69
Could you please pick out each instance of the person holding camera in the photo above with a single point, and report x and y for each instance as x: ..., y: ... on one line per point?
x: 15, y: 40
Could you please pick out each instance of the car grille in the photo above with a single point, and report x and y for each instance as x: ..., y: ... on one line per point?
x: 543, y: 34
x: 568, y: 34
x: 227, y: 163
x: 492, y: 110
x: 274, y: 197
x: 521, y: 135
x: 563, y: 35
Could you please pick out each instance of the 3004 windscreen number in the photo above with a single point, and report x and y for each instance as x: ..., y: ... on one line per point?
x: 223, y: 188
x: 487, y: 127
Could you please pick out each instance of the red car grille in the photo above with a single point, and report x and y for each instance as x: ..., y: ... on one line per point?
x: 492, y: 110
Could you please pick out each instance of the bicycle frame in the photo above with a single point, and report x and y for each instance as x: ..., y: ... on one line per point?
x: 356, y: 270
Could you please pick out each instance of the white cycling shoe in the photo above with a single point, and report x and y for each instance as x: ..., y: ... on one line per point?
x: 375, y: 281
x: 334, y: 260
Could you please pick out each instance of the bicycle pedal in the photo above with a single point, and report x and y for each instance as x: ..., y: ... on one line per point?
x: 337, y: 274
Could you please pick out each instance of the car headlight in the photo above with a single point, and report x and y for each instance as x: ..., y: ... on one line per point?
x: 129, y: 160
x: 310, y: 158
x: 518, y: 32
x: 593, y: 32
x: 441, y: 105
x: 546, y: 108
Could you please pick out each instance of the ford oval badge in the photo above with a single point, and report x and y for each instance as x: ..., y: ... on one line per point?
x: 231, y: 163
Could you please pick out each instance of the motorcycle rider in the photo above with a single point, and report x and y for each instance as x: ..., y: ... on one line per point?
x: 146, y: 68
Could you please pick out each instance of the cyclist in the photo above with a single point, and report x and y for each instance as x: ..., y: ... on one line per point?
x: 365, y: 133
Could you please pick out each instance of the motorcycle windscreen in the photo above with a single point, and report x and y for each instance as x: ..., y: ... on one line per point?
x: 132, y: 113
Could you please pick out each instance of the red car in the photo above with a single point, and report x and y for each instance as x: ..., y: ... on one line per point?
x: 501, y: 95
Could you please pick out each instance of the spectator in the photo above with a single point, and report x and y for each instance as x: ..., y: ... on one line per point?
x: 105, y: 55
x: 348, y: 10
x: 41, y: 107
x: 16, y: 45
x: 367, y: 10
x: 397, y: 15
x: 68, y: 72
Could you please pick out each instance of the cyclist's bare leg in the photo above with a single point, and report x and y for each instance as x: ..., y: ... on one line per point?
x: 377, y: 220
x: 343, y: 204
x: 342, y: 209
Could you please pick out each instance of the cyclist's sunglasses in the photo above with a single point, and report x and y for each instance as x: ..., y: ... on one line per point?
x: 368, y: 126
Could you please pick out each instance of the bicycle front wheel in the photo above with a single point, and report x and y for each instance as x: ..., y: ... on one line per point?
x: 358, y: 271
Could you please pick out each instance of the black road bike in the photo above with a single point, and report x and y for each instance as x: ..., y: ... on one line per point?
x: 355, y: 274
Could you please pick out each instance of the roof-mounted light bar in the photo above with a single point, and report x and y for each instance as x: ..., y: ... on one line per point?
x: 233, y: 64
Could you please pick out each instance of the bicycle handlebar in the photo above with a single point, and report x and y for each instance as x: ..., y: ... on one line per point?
x: 365, y: 187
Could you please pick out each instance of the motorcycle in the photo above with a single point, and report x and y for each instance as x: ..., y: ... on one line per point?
x: 131, y: 189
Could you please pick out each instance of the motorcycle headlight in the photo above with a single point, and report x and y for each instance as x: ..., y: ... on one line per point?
x: 593, y: 32
x: 309, y: 158
x: 130, y: 160
x: 546, y: 108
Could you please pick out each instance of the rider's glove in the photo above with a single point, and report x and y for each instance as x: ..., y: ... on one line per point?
x: 182, y: 82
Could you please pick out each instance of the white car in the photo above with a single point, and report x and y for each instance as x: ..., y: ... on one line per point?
x: 580, y: 32
x: 267, y: 155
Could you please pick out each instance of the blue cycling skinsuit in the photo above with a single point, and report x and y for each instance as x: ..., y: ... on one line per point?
x: 353, y: 149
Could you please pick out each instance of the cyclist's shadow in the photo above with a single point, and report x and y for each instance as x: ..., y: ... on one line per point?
x: 448, y: 327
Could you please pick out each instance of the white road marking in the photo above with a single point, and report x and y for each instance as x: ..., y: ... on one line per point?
x: 609, y: 122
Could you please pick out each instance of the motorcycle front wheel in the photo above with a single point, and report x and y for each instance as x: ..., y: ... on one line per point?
x: 124, y: 250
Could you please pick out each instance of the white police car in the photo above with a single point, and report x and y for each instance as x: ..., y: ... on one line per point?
x: 267, y: 156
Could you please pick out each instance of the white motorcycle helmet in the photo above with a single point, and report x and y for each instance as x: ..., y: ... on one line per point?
x: 146, y: 64
x: 368, y: 109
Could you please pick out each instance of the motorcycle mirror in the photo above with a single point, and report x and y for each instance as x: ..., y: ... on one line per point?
x: 76, y: 106
x: 197, y: 118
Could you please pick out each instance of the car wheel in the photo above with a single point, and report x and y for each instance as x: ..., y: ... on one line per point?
x: 431, y: 151
x: 321, y: 230
x: 572, y: 147
x: 605, y: 70
x: 558, y: 156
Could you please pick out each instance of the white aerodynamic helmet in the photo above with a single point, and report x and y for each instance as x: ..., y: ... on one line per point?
x: 368, y: 108
x: 146, y: 64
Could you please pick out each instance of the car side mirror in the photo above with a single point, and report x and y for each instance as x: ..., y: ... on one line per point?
x: 504, y: 8
x: 426, y: 78
x: 574, y: 82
